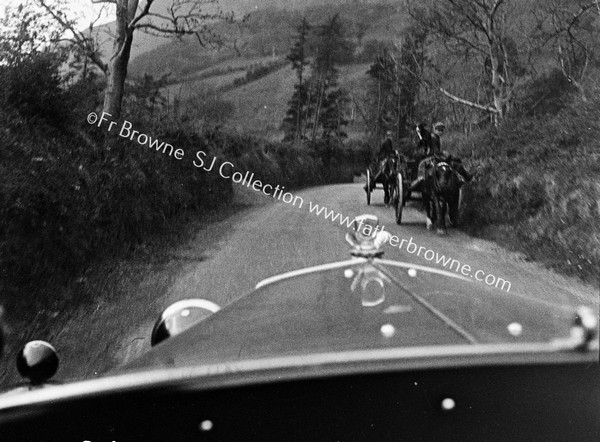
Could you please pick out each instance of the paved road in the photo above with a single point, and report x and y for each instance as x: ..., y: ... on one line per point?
x: 227, y: 259
x: 274, y: 237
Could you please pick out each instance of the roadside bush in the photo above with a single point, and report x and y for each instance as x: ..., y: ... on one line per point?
x: 65, y: 199
x: 539, y: 185
x: 70, y: 192
x: 32, y: 87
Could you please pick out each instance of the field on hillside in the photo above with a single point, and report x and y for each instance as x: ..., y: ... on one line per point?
x: 186, y: 90
x: 227, y: 66
x: 271, y: 30
x: 260, y: 106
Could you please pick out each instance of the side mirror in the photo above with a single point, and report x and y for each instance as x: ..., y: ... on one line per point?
x: 180, y: 316
x: 37, y: 361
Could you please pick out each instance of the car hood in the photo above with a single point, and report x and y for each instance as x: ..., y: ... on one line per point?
x: 361, y: 304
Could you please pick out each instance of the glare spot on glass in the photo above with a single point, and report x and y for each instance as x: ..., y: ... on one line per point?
x: 388, y: 330
x: 392, y: 309
x: 515, y: 329
x: 448, y: 404
x: 206, y: 425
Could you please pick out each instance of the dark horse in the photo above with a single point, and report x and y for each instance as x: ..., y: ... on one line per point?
x: 441, y: 192
x: 386, y: 175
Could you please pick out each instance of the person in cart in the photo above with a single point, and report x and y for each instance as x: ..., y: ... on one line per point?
x: 385, y: 151
x: 432, y: 147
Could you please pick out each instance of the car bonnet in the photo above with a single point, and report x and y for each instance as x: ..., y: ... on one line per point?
x: 357, y: 305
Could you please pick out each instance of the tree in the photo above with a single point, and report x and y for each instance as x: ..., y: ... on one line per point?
x: 332, y: 48
x: 297, y: 113
x: 25, y: 31
x: 31, y: 82
x: 573, y: 30
x: 384, y: 78
x: 333, y: 118
x: 183, y: 17
x: 477, y: 32
x: 395, y: 83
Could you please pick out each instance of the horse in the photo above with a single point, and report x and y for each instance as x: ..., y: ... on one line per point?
x: 386, y: 175
x: 441, y: 192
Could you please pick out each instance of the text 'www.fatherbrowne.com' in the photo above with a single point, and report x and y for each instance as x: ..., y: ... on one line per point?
x: 413, y: 248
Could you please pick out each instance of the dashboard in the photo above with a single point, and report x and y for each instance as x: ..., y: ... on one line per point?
x: 537, y: 401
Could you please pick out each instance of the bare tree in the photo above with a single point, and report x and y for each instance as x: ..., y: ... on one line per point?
x: 479, y: 32
x: 25, y: 30
x: 182, y: 17
x: 574, y: 32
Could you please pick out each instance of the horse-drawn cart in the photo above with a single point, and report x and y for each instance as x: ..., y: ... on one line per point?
x: 395, y: 178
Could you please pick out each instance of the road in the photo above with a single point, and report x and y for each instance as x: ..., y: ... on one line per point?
x: 226, y: 260
x: 274, y: 237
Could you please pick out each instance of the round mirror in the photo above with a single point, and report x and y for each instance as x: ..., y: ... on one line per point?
x: 180, y: 316
x: 37, y: 361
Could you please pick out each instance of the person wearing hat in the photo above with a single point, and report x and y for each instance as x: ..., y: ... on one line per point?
x: 433, y: 149
x: 436, y: 142
x: 386, y: 150
x: 435, y: 152
x: 424, y: 140
x: 387, y: 147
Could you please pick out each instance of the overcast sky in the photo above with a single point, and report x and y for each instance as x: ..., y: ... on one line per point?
x: 82, y: 10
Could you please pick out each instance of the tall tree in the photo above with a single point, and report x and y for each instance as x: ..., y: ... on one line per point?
x: 332, y: 48
x: 395, y: 83
x: 384, y: 77
x: 183, y: 17
x: 297, y: 113
x: 333, y: 117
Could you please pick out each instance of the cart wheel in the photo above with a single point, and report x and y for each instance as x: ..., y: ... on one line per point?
x: 454, y: 212
x: 407, y: 193
x: 369, y: 187
x: 399, y: 198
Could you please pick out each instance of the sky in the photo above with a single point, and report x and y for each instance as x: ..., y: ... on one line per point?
x: 83, y: 10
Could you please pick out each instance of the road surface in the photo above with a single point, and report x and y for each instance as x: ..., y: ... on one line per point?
x: 227, y: 259
x: 275, y: 237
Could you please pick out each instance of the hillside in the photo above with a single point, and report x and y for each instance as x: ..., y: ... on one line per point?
x: 270, y: 31
x: 260, y: 106
x: 266, y: 38
x: 145, y: 42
